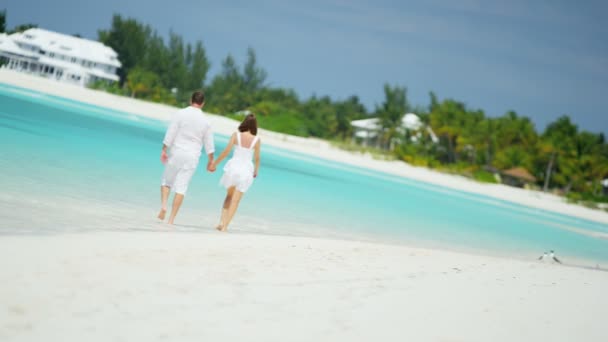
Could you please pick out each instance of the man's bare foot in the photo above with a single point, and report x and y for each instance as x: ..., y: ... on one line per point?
x: 221, y: 228
x: 170, y: 222
x: 161, y: 214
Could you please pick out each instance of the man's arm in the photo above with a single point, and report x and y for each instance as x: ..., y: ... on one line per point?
x: 163, y: 155
x: 209, y: 149
x: 210, y: 166
x: 169, y: 138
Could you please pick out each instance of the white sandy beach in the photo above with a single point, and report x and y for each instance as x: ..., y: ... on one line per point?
x: 200, y: 285
x: 148, y: 286
x: 310, y: 146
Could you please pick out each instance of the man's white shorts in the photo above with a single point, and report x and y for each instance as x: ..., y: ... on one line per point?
x: 178, y: 172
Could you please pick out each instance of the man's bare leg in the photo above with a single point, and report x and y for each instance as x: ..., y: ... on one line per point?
x: 177, y: 202
x: 234, y: 204
x: 164, y: 196
x: 225, y: 208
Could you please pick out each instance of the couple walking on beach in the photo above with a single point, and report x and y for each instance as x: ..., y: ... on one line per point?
x: 188, y: 131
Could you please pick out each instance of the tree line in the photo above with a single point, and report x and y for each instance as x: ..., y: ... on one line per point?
x: 562, y: 157
x: 168, y: 71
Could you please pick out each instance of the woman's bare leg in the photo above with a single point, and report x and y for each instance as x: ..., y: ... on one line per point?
x: 234, y: 204
x: 225, y: 208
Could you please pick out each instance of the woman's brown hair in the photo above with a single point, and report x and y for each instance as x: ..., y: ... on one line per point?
x: 249, y: 124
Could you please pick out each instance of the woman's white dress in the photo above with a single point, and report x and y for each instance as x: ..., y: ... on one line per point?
x: 239, y: 169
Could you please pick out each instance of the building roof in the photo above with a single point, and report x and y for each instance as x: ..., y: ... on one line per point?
x: 520, y: 173
x: 68, y: 45
x: 371, y: 124
x: 409, y: 121
x: 8, y: 45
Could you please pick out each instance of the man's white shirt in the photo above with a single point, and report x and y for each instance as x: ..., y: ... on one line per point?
x: 188, y: 131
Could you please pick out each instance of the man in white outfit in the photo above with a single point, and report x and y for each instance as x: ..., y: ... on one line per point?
x: 188, y: 131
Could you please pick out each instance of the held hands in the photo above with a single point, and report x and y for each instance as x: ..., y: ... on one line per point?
x: 255, y: 174
x: 211, y: 167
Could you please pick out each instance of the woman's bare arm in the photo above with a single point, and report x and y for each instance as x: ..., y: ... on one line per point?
x: 225, y: 151
x: 257, y: 158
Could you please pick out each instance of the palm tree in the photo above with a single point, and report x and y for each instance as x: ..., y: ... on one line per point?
x: 391, y: 111
x: 558, y: 141
x: 448, y: 120
x: 513, y: 156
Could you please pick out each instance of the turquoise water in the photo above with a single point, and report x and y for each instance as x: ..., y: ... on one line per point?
x: 71, y: 167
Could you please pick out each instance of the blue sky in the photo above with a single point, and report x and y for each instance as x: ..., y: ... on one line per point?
x: 539, y: 58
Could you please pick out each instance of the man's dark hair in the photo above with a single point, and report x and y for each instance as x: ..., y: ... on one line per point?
x: 198, y: 97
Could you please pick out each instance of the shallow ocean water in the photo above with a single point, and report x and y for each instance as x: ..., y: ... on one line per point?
x: 66, y: 166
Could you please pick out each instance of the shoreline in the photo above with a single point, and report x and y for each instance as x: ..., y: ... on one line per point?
x: 311, y: 147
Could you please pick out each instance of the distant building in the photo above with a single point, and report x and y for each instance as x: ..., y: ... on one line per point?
x: 58, y: 56
x: 367, y: 130
x: 605, y: 186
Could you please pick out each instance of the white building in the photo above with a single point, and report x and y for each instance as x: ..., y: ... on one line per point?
x: 368, y: 129
x: 58, y: 56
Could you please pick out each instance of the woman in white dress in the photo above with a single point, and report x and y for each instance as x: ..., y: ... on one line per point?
x: 239, y: 171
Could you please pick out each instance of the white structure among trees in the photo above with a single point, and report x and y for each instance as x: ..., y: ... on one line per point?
x: 368, y: 130
x: 58, y: 56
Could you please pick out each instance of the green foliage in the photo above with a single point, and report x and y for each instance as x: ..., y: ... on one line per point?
x: 253, y: 76
x: 513, y: 156
x: 225, y: 94
x: 129, y: 39
x: 147, y: 85
x: 159, y: 72
x: 178, y: 75
x: 589, y: 197
x: 141, y: 83
x: 284, y: 122
x: 320, y: 117
x: 2, y: 21
x: 234, y: 90
x: 156, y: 59
x: 434, y: 103
x: 448, y: 120
x: 484, y: 176
x: 347, y: 111
x: 21, y: 28
x: 276, y: 117
x: 558, y: 150
x: 113, y: 88
x: 198, y: 65
x: 391, y: 111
